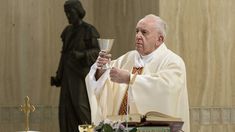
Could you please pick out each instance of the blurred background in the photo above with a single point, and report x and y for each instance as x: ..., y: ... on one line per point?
x: 200, y: 31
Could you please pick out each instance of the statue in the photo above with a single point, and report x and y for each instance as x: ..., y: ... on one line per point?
x: 79, y: 51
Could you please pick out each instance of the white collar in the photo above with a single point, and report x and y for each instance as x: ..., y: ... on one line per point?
x: 140, y: 60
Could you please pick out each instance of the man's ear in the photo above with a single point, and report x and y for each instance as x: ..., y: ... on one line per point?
x: 161, y: 38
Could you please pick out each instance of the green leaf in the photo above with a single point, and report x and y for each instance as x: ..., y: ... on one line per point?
x: 107, y: 128
x: 133, y: 129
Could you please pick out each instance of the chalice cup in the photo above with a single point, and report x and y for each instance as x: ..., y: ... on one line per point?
x: 106, y: 46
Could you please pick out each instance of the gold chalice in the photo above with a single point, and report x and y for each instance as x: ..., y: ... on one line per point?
x: 86, y: 128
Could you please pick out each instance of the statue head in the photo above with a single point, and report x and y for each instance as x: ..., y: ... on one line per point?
x: 74, y: 11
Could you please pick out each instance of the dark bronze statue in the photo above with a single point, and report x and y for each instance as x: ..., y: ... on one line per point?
x: 80, y: 50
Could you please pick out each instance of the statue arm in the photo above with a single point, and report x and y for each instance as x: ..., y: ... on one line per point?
x: 92, y: 46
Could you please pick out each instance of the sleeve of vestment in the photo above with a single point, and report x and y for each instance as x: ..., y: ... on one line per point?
x: 94, y: 87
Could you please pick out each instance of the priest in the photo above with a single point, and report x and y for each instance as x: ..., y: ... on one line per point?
x: 149, y: 78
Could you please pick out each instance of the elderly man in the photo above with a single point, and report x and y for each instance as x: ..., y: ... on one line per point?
x: 157, y: 77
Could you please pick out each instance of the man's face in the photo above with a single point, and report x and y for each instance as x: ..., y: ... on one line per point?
x: 147, y: 38
x: 72, y: 15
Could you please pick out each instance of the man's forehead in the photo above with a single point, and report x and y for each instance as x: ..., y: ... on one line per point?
x: 145, y: 23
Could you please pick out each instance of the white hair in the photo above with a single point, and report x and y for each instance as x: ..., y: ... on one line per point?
x: 160, y: 24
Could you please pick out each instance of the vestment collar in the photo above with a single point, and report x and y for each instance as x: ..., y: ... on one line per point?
x: 140, y: 60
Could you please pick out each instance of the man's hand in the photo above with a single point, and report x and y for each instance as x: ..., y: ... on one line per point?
x: 103, y: 59
x: 119, y: 75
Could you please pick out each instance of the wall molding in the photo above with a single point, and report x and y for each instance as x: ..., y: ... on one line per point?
x: 198, y: 115
x: 12, y: 114
x: 212, y: 115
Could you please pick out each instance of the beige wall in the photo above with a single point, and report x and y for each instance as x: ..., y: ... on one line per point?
x: 201, y: 32
x: 29, y: 51
x: 117, y: 19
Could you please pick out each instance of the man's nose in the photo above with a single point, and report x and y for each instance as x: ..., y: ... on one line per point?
x: 138, y: 35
